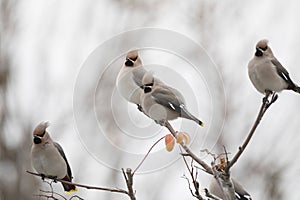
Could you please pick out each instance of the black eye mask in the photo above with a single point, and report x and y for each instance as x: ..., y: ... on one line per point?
x: 258, y: 52
x: 37, y: 139
x: 129, y: 62
x: 147, y: 89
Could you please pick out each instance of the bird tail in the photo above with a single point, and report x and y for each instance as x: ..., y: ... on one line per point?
x: 186, y: 114
x: 294, y: 87
x: 297, y: 89
x: 242, y: 197
x: 69, y: 188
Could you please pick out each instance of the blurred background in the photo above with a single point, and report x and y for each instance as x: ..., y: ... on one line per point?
x: 45, y: 44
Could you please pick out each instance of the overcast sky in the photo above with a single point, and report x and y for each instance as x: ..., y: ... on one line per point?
x: 66, y: 56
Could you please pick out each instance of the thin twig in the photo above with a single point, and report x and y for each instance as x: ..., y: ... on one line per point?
x: 81, y: 185
x: 226, y: 169
x: 195, y: 183
x: 264, y: 107
x: 147, y: 154
x: 54, y: 198
x: 52, y: 193
x: 206, y: 167
x: 215, y: 156
x: 189, y: 184
x: 190, y: 188
x: 76, y: 196
x: 129, y: 182
x: 217, y: 177
x: 46, y: 196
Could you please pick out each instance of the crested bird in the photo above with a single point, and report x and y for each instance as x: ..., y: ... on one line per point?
x: 48, y: 157
x: 266, y: 73
x: 161, y: 102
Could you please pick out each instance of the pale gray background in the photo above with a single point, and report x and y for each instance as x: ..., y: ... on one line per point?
x: 44, y: 44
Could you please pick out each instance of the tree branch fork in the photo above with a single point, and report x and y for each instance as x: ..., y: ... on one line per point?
x: 222, y: 177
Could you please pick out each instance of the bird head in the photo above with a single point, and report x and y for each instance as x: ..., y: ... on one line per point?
x: 262, y: 49
x: 148, y: 82
x: 132, y: 59
x: 40, y: 135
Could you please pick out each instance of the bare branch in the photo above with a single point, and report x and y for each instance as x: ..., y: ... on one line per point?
x: 222, y: 175
x: 129, y: 182
x: 49, y: 194
x: 264, y: 107
x: 81, y: 185
x: 226, y: 169
x: 52, y: 193
x: 189, y: 184
x: 206, y: 167
x: 217, y: 177
x: 76, y: 196
x: 128, y: 178
x: 194, y: 178
x: 215, y: 156
x: 147, y: 154
x: 46, y: 196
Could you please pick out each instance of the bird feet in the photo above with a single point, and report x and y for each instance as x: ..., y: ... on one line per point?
x: 162, y: 122
x: 54, y: 178
x: 274, y: 98
x: 43, y: 176
x: 266, y: 98
x: 140, y: 108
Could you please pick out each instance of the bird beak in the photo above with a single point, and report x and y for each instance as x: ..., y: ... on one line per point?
x: 37, y: 139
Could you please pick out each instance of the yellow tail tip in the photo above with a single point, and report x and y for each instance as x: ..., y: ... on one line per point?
x: 201, y: 124
x: 71, y: 191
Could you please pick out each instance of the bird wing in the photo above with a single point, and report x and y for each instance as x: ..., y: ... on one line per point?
x: 167, y: 97
x: 240, y: 192
x: 282, y: 72
x: 61, y: 151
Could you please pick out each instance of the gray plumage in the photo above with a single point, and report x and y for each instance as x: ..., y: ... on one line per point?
x: 129, y: 80
x: 267, y: 73
x: 240, y: 192
x: 162, y: 102
x: 48, y: 157
x: 69, y: 176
